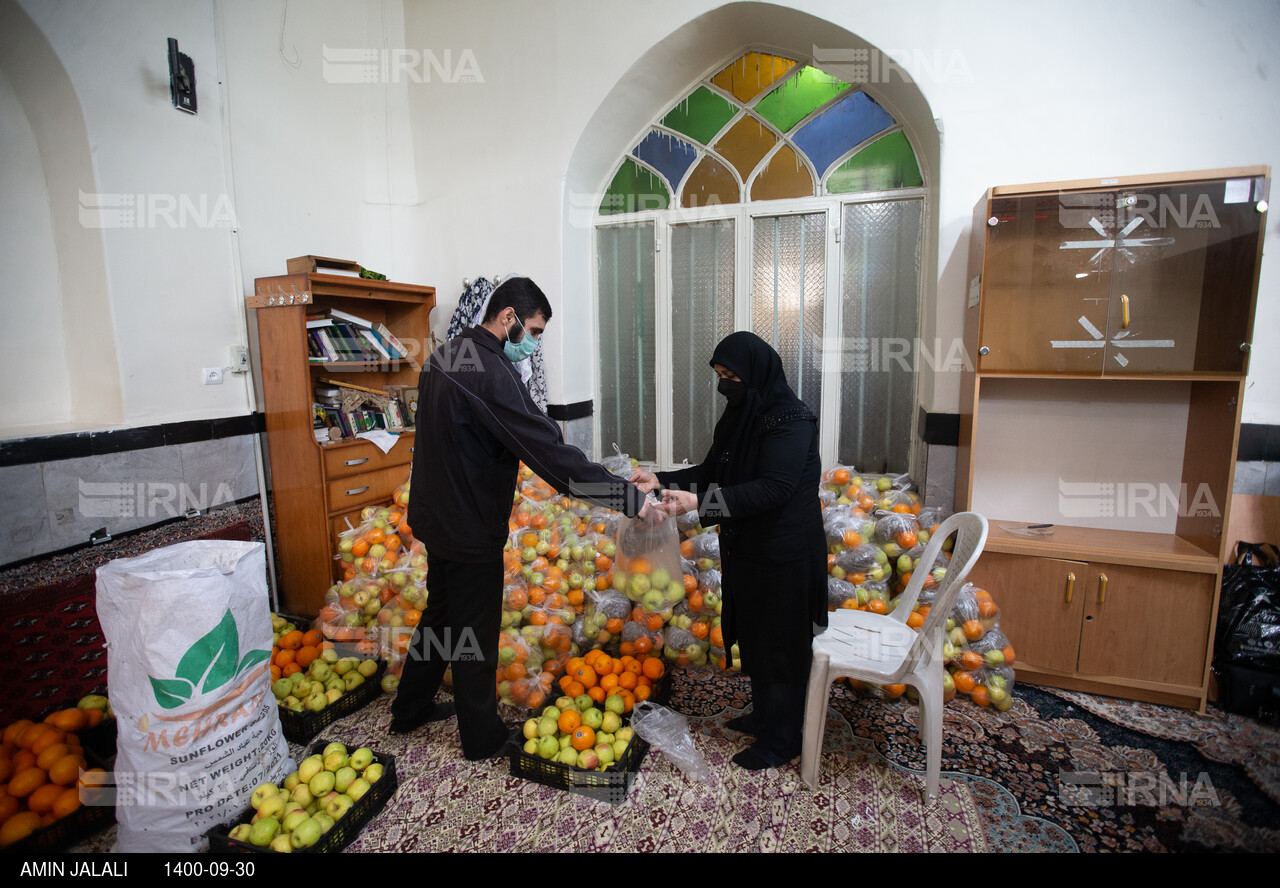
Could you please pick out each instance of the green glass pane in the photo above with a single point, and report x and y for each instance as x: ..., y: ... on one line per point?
x: 633, y: 189
x: 794, y: 100
x: 885, y: 163
x: 701, y: 115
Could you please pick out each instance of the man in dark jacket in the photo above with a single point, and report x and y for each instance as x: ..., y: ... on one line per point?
x: 475, y: 422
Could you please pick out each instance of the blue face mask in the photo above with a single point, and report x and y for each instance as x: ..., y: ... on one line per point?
x: 519, y: 351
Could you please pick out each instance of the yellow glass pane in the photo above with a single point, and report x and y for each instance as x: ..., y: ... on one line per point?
x: 751, y: 74
x: 745, y: 144
x: 784, y: 176
x: 711, y: 183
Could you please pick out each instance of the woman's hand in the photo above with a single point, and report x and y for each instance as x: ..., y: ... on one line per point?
x: 678, y: 502
x: 646, y: 481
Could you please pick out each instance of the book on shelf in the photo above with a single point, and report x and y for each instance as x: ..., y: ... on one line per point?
x: 368, y: 337
x: 354, y: 319
x: 395, y: 344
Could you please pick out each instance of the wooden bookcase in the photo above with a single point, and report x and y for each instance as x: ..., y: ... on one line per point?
x: 314, y: 486
x: 1109, y: 323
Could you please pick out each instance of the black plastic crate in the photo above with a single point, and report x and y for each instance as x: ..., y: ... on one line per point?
x: 610, y: 785
x: 343, y: 832
x: 80, y: 824
x: 300, y: 727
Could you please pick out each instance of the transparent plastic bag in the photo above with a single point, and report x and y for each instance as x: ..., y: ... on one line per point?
x: 619, y: 464
x: 647, y: 569
x: 668, y: 731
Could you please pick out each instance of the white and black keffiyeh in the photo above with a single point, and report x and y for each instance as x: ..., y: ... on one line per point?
x: 470, y: 311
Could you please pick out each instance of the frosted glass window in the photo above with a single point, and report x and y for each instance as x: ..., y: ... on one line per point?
x: 702, y: 256
x: 785, y: 175
x: 841, y: 128
x: 667, y: 154
x: 788, y: 291
x: 711, y: 183
x: 798, y: 97
x: 745, y: 144
x: 886, y: 163
x: 633, y: 189
x: 700, y: 115
x: 880, y: 246
x: 750, y: 75
x: 625, y: 303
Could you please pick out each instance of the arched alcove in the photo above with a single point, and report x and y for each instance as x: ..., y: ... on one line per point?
x: 666, y: 72
x: 64, y: 236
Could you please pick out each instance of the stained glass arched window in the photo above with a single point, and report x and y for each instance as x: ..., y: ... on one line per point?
x: 727, y: 213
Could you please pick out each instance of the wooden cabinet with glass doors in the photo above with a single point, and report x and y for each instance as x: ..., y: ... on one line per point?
x: 1109, y: 324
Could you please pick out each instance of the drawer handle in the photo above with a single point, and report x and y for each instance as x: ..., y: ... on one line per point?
x: 358, y: 490
x: 1102, y: 588
x: 355, y: 462
x: 411, y: 450
x: 1124, y: 312
x: 1071, y: 586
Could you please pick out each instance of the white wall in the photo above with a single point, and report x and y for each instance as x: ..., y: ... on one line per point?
x: 434, y: 181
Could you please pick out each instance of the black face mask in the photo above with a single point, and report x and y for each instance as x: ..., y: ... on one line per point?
x: 733, y: 389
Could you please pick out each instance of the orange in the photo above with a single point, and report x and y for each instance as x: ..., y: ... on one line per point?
x: 536, y: 699
x: 851, y: 539
x: 642, y: 692
x: 1007, y: 650
x: 614, y: 626
x: 643, y: 644
x: 13, y: 733
x: 653, y: 668
x: 916, y: 621
x: 596, y: 693
x: 66, y: 770
x: 569, y: 721
x: 632, y: 665
x: 291, y: 641
x: 285, y: 657
x: 583, y: 738
x: 67, y: 802
x: 576, y: 689
x: 6, y: 770
x: 653, y: 623
x: 716, y: 637
x: 877, y: 606
x: 290, y: 670
x: 23, y: 758
x: 894, y: 691
x: 68, y: 719
x: 603, y: 665
x: 963, y: 681
x: 907, y: 539
x: 973, y: 630
x: 971, y: 660
x: 8, y: 806
x: 627, y: 681
x: 987, y: 608
x: 33, y: 734
x: 49, y: 738
x: 27, y: 781
x: 608, y: 681
x: 18, y: 827
x: 50, y: 754
x: 979, y: 695
x: 699, y: 630
x: 41, y: 801
x: 306, y: 654
x: 586, y: 675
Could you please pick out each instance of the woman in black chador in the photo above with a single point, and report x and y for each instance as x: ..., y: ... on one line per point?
x: 759, y: 482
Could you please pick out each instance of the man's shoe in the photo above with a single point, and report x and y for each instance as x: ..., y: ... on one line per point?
x: 744, y: 724
x: 436, y: 712
x: 510, y: 746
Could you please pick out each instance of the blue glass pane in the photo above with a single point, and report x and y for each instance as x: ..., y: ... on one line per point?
x: 667, y: 154
x: 848, y: 122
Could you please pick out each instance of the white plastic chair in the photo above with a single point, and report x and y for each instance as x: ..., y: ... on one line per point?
x: 883, y: 650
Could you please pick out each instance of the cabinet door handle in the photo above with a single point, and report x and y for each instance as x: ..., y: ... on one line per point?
x: 411, y: 450
x: 358, y: 490
x: 1071, y: 585
x: 355, y: 462
x: 1124, y: 312
x: 1102, y: 588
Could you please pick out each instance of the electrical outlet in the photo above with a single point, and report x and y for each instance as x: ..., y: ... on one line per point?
x: 213, y: 376
x: 239, y: 359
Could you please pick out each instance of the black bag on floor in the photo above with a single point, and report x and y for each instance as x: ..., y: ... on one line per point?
x: 1246, y: 653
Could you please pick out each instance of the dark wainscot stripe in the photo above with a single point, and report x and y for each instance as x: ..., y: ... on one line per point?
x: 50, y: 448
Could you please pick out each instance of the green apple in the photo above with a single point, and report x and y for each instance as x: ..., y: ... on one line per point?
x: 340, y: 805
x: 325, y: 821
x: 583, y: 702
x: 624, y: 734
x: 272, y: 807
x: 292, y: 819
x: 368, y: 668
x: 548, y: 747
x: 358, y: 788
x: 262, y: 832
x: 531, y: 747
x: 302, y: 794
x: 262, y: 793
x: 240, y: 832
x: 611, y: 721
x: 568, y: 756
x: 530, y: 729
x: 615, y: 704
x: 335, y: 760
x: 306, y: 833
x: 605, y: 751
x: 361, y: 758
x: 593, y: 718
x: 373, y: 773
x: 281, y: 844
x: 342, y: 779
x: 310, y: 767
x: 322, y: 783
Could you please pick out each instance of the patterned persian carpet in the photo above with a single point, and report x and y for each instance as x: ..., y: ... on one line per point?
x: 1001, y: 790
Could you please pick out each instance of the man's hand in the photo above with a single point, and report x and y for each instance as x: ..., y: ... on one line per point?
x: 646, y: 481
x: 677, y: 502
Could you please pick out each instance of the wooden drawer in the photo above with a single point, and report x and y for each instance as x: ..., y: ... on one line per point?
x: 345, y: 494
x: 343, y: 460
